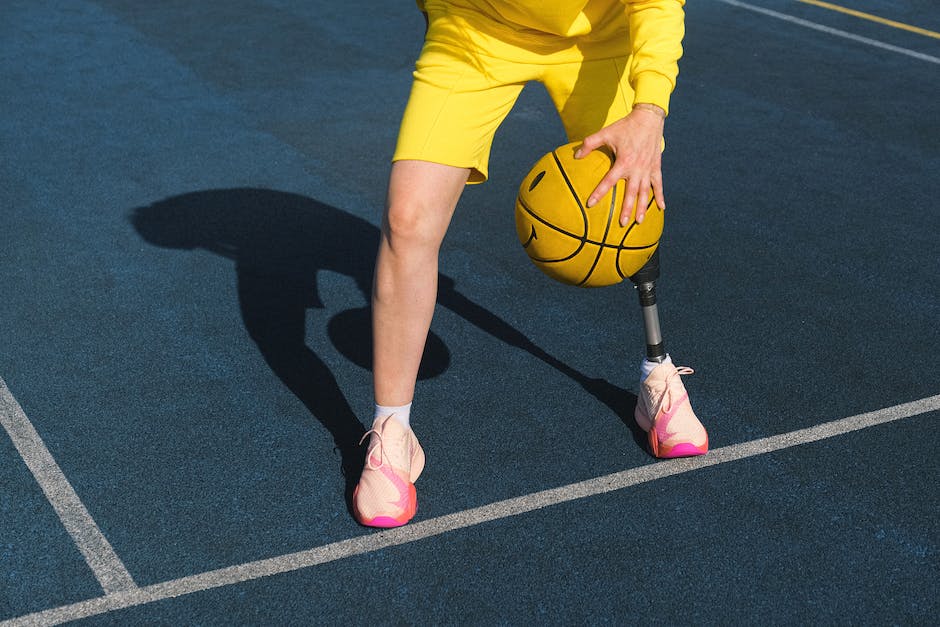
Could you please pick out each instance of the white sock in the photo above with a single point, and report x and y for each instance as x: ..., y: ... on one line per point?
x: 649, y: 366
x: 401, y: 414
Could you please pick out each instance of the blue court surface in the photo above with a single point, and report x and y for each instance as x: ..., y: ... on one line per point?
x: 190, y: 194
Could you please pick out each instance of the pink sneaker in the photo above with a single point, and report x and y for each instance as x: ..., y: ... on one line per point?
x: 673, y: 430
x: 385, y: 496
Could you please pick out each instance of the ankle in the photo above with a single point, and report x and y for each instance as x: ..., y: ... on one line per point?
x: 401, y: 413
x: 647, y: 366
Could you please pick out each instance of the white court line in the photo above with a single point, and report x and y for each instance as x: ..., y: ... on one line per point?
x: 104, y: 562
x: 468, y: 518
x: 832, y: 31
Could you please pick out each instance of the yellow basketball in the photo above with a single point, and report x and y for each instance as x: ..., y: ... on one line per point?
x: 574, y: 244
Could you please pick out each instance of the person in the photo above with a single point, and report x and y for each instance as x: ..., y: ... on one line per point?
x: 609, y: 67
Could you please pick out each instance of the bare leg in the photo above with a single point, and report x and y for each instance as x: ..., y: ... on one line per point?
x: 422, y: 197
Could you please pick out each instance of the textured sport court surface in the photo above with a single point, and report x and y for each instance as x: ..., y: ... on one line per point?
x: 190, y: 194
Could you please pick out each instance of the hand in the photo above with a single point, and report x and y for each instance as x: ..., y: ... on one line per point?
x: 636, y: 142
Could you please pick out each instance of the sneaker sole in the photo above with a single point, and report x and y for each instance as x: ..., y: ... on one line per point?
x: 385, y: 522
x: 682, y: 449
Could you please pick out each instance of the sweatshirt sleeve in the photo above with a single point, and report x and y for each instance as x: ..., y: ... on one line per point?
x: 656, y: 31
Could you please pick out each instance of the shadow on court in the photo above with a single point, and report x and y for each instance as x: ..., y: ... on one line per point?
x: 279, y: 242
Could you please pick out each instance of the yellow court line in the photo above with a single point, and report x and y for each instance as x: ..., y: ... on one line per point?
x: 873, y: 18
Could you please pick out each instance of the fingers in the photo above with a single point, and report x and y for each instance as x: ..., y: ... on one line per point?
x: 634, y: 202
x: 610, y: 179
x: 644, y: 200
x: 635, y: 199
x: 658, y: 193
x: 637, y: 161
x: 638, y: 199
x: 589, y: 145
x: 639, y: 192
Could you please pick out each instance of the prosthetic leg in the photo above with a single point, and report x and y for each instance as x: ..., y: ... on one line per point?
x: 645, y: 282
x: 663, y: 408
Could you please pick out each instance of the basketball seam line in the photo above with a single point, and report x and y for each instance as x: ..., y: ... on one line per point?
x: 600, y: 249
x: 584, y: 238
x: 581, y: 238
x: 626, y: 235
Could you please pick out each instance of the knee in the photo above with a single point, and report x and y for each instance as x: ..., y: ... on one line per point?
x: 409, y: 226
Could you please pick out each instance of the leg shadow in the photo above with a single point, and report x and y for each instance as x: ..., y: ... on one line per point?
x: 619, y: 400
x: 274, y: 315
x: 279, y: 242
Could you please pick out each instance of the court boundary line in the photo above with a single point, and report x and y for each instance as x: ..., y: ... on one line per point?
x: 832, y: 31
x: 100, y: 556
x: 508, y: 508
x: 871, y: 17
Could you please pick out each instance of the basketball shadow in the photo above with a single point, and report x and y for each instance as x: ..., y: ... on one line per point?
x: 280, y: 242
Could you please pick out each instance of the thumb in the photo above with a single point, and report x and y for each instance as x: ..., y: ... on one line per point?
x: 589, y: 145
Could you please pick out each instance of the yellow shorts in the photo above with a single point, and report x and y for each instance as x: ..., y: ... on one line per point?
x: 460, y: 95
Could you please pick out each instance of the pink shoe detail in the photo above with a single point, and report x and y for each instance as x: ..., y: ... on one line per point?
x: 683, y: 449
x: 386, y: 496
x: 409, y: 503
x: 664, y: 412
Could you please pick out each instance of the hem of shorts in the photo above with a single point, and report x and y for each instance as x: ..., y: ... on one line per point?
x: 477, y: 174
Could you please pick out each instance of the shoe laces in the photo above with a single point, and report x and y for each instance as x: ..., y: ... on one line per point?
x: 380, y: 446
x: 674, y: 376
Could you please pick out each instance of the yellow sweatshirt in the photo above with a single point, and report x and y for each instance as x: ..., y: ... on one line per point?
x: 653, y: 30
